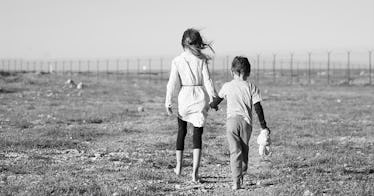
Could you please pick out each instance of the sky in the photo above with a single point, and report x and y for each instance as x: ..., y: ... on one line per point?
x: 128, y: 28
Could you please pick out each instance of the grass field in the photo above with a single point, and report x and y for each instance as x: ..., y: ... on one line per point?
x: 56, y: 140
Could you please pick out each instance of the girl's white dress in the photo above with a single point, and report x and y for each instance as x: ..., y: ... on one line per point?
x: 191, y: 75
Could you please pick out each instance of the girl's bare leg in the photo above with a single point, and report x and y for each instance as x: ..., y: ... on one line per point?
x: 179, y: 156
x: 196, y: 164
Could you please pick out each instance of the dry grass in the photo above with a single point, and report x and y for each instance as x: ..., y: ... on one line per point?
x: 62, y: 141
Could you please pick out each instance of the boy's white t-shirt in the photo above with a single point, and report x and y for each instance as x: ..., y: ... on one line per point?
x: 240, y: 96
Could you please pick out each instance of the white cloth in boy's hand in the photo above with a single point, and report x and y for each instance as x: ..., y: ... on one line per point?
x: 264, y: 142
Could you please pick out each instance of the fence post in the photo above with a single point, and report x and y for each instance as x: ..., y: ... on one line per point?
x: 348, y: 66
x: 117, y: 63
x: 8, y: 65
x: 79, y: 66
x: 370, y: 52
x: 149, y: 67
x: 309, y: 65
x: 127, y: 66
x: 15, y: 65
x: 280, y: 68
x: 274, y: 60
x: 41, y: 66
x: 107, y: 68
x: 328, y: 67
x: 161, y: 65
x: 224, y: 67
x: 21, y: 65
x: 227, y: 68
x: 49, y: 65
x: 258, y: 68
x: 55, y: 65
x: 212, y: 75
x: 264, y: 68
x: 297, y: 63
x: 97, y: 69
x: 63, y: 67
x: 138, y: 65
x: 291, y: 67
x: 71, y: 67
x: 88, y: 67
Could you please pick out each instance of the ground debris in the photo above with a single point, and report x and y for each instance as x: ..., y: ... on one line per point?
x: 308, y: 193
x: 80, y: 85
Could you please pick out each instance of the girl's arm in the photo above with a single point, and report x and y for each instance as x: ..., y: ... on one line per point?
x: 208, y: 83
x: 216, y: 101
x: 173, y: 83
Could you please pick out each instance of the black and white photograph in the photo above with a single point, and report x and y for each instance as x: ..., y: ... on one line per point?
x: 171, y: 97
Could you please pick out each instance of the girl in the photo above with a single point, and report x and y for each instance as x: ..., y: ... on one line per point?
x: 189, y: 72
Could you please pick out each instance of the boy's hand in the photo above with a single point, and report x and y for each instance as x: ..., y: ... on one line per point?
x: 269, y: 132
x: 169, y: 111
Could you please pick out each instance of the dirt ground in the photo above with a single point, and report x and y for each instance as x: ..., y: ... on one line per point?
x: 113, y: 137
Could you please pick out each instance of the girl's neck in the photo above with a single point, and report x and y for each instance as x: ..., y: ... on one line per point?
x: 188, y: 51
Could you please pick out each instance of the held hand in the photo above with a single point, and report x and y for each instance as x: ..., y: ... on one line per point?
x: 269, y: 132
x: 216, y: 101
x: 215, y: 107
x: 169, y: 111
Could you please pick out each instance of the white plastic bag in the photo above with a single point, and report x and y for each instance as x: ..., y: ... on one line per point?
x: 264, y: 141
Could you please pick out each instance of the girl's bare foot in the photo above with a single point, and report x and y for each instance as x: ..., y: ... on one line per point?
x: 177, y: 172
x: 195, y: 179
x: 236, y: 186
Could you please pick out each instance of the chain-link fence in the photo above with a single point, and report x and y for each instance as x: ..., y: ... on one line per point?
x: 329, y: 68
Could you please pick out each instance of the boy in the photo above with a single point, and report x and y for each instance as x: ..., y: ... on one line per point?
x: 240, y: 95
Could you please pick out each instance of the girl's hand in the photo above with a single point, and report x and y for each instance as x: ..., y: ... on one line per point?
x: 169, y: 111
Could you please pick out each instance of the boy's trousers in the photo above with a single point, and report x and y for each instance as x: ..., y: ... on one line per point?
x: 238, y: 134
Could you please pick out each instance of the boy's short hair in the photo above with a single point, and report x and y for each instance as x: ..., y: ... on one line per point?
x: 240, y: 65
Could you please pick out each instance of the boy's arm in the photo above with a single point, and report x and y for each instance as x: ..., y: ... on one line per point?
x: 260, y: 114
x: 256, y: 98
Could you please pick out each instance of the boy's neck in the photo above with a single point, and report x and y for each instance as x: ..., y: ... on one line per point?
x: 240, y: 77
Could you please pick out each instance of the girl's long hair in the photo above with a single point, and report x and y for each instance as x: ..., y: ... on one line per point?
x: 192, y: 40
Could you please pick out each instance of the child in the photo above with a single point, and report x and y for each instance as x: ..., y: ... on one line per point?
x: 189, y: 71
x: 240, y: 95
